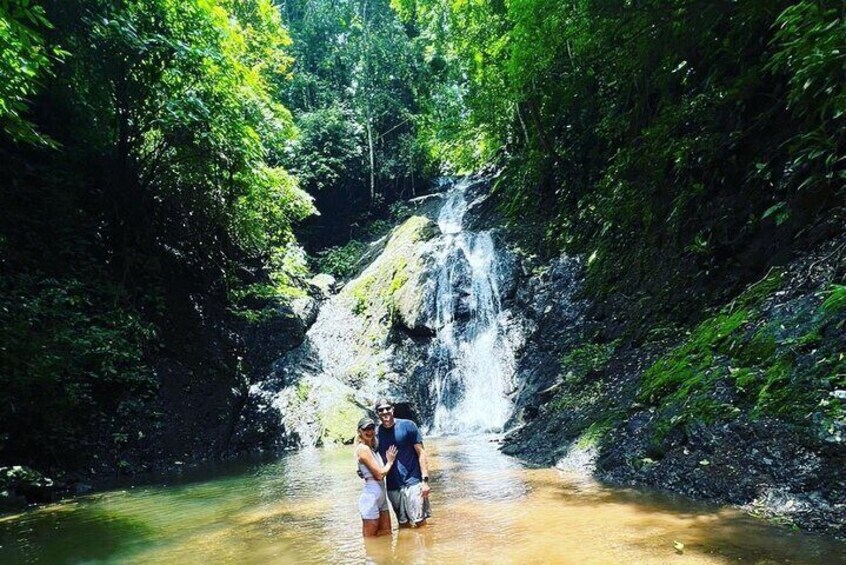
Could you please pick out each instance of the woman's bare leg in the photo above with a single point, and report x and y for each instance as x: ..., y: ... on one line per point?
x: 384, y: 523
x: 370, y: 528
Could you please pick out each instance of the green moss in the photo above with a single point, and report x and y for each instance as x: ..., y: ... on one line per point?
x: 761, y: 347
x: 373, y: 293
x: 577, y: 396
x: 588, y: 358
x: 361, y: 293
x: 776, y: 396
x: 303, y: 391
x: 684, y: 369
x: 756, y: 293
x: 836, y: 300
x: 744, y: 377
x: 782, y: 364
x: 730, y: 347
x: 595, y: 433
x: 413, y: 230
x: 379, y: 293
x: 339, y: 424
x: 810, y: 339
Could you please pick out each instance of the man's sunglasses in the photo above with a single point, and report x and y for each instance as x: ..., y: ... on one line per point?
x: 384, y: 409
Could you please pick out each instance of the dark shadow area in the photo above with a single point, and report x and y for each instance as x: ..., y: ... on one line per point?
x: 87, y: 535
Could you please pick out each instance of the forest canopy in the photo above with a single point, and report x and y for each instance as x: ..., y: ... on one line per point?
x: 674, y: 143
x: 164, y: 160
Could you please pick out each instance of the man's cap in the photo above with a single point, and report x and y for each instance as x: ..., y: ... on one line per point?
x: 382, y: 402
x: 366, y: 422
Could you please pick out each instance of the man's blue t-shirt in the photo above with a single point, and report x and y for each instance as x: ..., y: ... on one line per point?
x: 406, y: 470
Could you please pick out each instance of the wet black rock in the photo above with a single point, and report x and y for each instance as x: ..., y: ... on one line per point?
x: 793, y: 472
x: 552, y: 314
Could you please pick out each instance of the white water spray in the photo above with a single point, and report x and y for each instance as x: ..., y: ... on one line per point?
x: 474, y: 361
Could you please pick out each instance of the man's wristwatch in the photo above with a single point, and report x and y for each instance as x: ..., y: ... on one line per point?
x: 425, y: 479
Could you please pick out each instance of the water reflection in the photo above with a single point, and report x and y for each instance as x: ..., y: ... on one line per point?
x: 487, y: 508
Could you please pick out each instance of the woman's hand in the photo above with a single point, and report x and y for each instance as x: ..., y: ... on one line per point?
x: 391, y: 454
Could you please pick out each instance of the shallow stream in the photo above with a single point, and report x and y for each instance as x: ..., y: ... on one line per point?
x: 487, y: 508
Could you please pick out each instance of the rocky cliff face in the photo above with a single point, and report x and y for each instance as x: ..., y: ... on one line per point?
x: 746, y: 408
x: 317, y: 392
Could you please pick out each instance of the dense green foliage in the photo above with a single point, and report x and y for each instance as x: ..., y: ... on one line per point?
x: 159, y: 153
x: 24, y: 61
x: 676, y: 144
x: 683, y: 148
x: 158, y: 201
x: 357, y: 80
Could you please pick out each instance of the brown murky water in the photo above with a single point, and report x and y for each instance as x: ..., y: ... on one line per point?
x: 487, y: 508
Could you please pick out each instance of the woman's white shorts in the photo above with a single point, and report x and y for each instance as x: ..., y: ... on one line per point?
x: 373, y: 500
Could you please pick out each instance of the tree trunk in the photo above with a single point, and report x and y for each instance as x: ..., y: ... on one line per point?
x: 372, y: 160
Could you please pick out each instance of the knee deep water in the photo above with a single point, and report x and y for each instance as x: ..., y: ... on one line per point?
x: 486, y: 508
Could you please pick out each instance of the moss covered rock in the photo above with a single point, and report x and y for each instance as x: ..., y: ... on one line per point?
x: 320, y: 411
x: 392, y: 289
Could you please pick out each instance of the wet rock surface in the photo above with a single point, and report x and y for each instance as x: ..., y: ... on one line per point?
x: 588, y: 414
x: 766, y: 466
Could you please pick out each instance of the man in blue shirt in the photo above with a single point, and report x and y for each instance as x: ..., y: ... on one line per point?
x: 408, y: 479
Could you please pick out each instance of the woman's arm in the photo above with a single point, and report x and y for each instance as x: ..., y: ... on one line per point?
x: 365, y: 455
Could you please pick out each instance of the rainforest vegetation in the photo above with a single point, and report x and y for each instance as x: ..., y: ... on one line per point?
x: 174, y: 168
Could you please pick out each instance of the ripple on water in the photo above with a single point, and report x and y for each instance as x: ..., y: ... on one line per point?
x: 487, y: 507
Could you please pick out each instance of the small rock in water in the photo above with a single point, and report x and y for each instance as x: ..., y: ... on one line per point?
x: 678, y: 546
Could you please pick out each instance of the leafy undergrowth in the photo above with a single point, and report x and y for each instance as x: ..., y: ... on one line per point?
x: 761, y: 355
x: 345, y: 261
x: 583, y: 394
x: 341, y: 261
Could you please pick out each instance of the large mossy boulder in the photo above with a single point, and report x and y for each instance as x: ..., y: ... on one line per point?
x: 320, y: 411
x: 392, y: 289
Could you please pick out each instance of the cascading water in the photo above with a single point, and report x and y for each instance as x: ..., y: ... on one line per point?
x: 474, y: 361
x: 422, y: 323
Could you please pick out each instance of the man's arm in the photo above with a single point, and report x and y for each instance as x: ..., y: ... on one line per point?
x: 424, y: 466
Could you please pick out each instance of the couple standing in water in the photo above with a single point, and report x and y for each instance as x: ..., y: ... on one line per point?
x: 392, y: 462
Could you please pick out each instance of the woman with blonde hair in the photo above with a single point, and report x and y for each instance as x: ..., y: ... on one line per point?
x: 373, y: 502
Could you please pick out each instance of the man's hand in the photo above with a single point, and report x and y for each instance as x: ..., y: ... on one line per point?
x: 425, y: 490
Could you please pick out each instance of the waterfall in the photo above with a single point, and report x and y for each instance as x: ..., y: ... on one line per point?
x: 458, y: 366
x: 473, y: 360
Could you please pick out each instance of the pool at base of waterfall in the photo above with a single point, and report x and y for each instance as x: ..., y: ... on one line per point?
x: 486, y: 508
